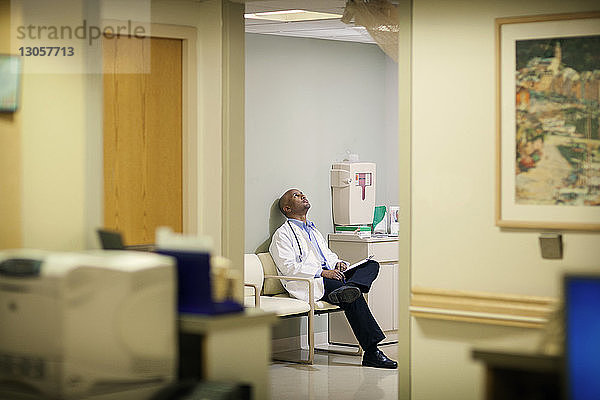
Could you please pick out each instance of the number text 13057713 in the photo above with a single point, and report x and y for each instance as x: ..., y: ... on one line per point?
x: 46, y: 51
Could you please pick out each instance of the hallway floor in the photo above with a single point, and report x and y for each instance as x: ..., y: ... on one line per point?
x: 334, y: 377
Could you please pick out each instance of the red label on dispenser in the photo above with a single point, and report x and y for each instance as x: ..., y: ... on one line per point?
x: 363, y: 179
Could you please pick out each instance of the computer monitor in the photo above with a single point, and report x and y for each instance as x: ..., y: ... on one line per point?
x: 582, y: 336
x: 110, y: 240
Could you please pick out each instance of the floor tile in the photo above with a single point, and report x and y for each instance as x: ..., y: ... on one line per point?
x: 334, y: 377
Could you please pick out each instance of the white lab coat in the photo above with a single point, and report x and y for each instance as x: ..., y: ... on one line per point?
x: 285, y: 253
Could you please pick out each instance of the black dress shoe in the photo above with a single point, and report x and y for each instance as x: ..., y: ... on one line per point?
x: 344, y: 294
x: 378, y: 360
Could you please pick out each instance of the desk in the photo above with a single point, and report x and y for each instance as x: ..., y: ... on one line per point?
x: 231, y: 347
x: 519, y: 372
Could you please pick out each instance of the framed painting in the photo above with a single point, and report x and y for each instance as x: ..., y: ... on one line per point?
x: 548, y: 117
x: 10, y: 75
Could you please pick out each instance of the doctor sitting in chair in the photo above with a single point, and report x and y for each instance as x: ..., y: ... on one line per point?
x: 299, y: 249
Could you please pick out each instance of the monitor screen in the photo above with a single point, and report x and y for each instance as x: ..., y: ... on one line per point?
x: 110, y: 240
x: 582, y: 344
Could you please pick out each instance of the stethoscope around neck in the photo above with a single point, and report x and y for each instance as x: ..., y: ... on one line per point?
x: 297, y: 241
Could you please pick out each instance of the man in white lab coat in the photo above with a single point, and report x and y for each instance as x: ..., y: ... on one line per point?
x: 299, y: 249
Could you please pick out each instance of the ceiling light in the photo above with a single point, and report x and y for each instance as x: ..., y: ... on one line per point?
x: 292, y: 15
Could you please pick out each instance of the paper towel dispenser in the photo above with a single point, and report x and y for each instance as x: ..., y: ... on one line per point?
x: 353, y: 192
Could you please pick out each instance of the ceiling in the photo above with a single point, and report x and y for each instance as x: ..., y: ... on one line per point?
x: 323, y: 29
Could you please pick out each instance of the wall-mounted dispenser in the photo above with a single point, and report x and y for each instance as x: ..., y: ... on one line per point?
x: 551, y: 246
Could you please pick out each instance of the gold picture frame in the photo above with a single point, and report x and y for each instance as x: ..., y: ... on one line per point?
x: 547, y: 117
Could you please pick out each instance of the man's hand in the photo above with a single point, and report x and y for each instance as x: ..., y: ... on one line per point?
x: 342, y: 266
x: 333, y: 274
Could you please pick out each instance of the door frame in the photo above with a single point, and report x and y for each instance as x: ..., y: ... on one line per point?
x: 405, y: 51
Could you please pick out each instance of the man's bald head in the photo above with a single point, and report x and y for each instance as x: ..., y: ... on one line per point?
x: 293, y: 203
x: 284, y: 201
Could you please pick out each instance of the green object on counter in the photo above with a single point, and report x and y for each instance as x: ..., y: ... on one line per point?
x: 353, y: 228
x: 379, y: 215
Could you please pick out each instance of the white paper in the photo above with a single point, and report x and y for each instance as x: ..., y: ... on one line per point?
x: 356, y: 264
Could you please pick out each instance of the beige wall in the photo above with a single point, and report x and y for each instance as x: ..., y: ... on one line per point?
x: 10, y: 156
x: 455, y: 244
x: 233, y: 135
x: 53, y: 156
x: 56, y: 138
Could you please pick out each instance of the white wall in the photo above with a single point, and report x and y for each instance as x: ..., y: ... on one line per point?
x: 307, y: 102
x: 455, y: 244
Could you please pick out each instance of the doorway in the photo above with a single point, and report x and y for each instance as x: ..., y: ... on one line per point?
x: 142, y: 136
x: 318, y: 144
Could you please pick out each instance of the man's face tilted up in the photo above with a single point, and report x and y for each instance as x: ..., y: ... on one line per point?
x: 295, y: 203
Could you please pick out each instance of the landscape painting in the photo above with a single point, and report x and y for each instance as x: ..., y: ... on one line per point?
x: 548, y: 121
x: 557, y: 113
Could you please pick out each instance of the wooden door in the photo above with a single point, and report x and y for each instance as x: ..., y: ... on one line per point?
x: 142, y: 136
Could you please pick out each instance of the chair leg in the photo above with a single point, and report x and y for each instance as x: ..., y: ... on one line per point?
x: 311, y: 337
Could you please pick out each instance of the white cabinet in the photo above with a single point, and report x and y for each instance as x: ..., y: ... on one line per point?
x: 383, y: 297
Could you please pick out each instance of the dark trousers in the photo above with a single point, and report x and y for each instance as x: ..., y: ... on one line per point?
x: 359, y: 316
